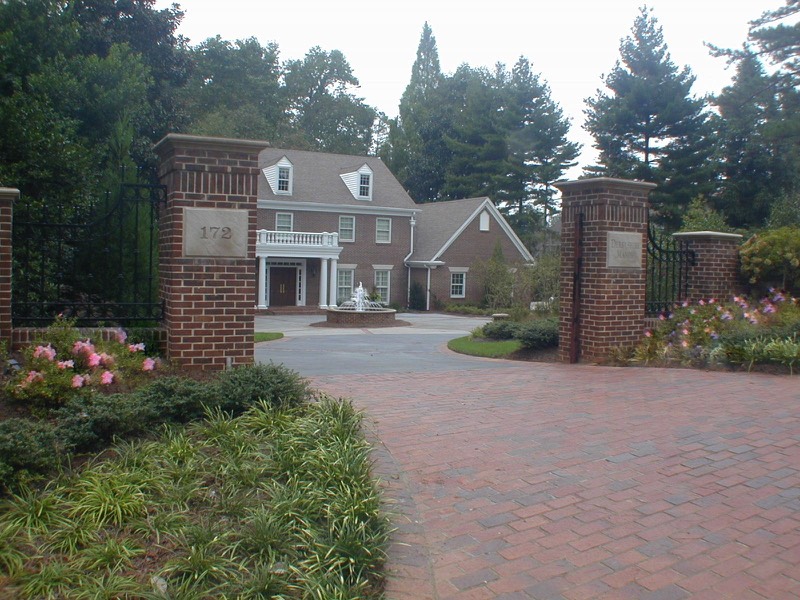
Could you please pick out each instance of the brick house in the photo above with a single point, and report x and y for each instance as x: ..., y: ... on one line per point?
x: 327, y: 222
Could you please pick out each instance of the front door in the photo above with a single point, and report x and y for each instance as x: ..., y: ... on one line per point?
x: 282, y: 286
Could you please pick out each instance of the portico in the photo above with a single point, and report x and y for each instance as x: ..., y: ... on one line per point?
x: 285, y: 260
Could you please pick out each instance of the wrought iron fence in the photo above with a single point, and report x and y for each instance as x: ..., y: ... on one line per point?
x: 95, y: 262
x: 668, y: 262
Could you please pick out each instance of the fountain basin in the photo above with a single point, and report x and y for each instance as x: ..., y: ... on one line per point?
x: 338, y: 317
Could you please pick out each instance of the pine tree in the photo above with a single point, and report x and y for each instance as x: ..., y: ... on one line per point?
x: 538, y: 144
x: 416, y: 152
x: 649, y: 127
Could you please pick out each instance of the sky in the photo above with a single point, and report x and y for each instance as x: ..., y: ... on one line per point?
x: 570, y: 43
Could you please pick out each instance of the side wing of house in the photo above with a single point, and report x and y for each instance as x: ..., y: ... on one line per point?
x: 327, y: 222
x: 468, y: 231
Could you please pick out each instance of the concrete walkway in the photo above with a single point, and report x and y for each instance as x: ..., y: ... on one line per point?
x: 525, y: 480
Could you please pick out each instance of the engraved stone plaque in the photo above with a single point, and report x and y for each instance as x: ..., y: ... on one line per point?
x: 624, y: 250
x: 211, y: 232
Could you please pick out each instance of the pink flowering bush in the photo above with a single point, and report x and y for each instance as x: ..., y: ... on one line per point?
x: 65, y: 364
x: 736, y: 332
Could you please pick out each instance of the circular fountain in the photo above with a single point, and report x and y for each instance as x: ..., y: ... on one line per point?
x: 360, y: 311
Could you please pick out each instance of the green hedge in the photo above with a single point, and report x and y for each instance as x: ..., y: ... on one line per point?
x: 538, y: 334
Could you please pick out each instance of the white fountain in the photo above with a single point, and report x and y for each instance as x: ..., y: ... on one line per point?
x: 360, y: 311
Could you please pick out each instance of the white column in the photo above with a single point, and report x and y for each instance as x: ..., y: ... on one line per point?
x: 334, y: 282
x: 262, y: 282
x: 323, y: 283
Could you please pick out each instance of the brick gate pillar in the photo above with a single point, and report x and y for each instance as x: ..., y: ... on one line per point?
x: 7, y: 198
x: 207, y: 237
x: 715, y: 273
x: 603, y: 272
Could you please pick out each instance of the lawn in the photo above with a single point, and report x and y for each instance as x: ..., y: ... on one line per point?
x: 267, y: 336
x: 484, y: 347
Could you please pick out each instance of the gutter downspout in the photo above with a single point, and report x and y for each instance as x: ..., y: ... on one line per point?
x: 413, y: 223
x: 428, y: 290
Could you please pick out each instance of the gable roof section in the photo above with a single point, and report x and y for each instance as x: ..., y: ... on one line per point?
x: 317, y: 179
x: 440, y: 223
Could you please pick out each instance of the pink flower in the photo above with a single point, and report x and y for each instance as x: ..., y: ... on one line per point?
x: 685, y: 344
x: 33, y: 376
x: 78, y: 381
x: 136, y: 347
x: 701, y: 302
x: 106, y: 359
x: 107, y: 378
x: 148, y: 364
x: 685, y: 331
x: 83, y: 347
x: 648, y: 333
x: 45, y: 351
x: 121, y: 336
x: 66, y: 364
x: 95, y: 359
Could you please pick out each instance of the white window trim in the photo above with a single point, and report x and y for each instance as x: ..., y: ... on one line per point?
x: 484, y: 221
x: 361, y: 176
x: 341, y: 238
x: 272, y: 173
x: 386, y: 300
x: 291, y: 220
x: 459, y: 271
x: 339, y: 298
x: 377, y: 220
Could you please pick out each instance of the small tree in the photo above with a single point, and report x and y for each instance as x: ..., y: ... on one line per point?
x: 772, y: 258
x: 701, y: 217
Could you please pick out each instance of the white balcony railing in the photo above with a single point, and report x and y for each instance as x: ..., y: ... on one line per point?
x: 297, y: 238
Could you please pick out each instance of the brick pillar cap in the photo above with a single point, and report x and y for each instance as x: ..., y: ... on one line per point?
x: 172, y: 139
x: 718, y: 235
x: 577, y: 184
x: 9, y: 193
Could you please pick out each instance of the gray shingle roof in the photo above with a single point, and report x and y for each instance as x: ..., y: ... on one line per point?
x: 437, y: 223
x: 316, y: 178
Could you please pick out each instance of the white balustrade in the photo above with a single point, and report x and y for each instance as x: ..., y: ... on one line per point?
x: 297, y: 238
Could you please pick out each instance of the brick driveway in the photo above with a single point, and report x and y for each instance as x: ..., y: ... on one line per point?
x: 553, y: 481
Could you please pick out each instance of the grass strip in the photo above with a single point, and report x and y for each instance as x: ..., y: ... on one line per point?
x: 482, y: 347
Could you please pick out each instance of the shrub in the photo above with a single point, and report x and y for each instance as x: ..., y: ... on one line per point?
x: 175, y: 399
x: 501, y: 330
x: 64, y: 366
x: 773, y: 258
x: 538, y: 334
x: 27, y: 448
x: 243, y: 387
x: 416, y: 297
x: 92, y: 422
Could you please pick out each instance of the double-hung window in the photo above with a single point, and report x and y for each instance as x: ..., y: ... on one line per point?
x: 284, y: 222
x: 284, y: 180
x: 365, y: 185
x: 383, y: 230
x: 458, y: 284
x: 344, y: 285
x: 382, y: 284
x: 347, y: 228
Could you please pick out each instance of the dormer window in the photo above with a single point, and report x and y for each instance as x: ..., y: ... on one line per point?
x: 359, y: 182
x: 280, y: 177
x: 365, y: 186
x: 284, y: 179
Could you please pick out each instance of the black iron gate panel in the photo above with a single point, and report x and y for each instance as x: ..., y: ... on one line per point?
x: 96, y: 263
x: 668, y: 262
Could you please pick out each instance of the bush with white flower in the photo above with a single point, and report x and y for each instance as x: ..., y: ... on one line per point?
x: 64, y: 364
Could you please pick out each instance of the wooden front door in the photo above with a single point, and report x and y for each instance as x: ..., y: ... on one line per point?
x: 282, y: 286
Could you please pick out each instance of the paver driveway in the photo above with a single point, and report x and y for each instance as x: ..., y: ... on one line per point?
x: 556, y: 481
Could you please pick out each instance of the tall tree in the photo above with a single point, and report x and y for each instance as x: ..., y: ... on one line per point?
x: 234, y: 89
x: 538, y: 144
x: 648, y: 126
x: 321, y: 110
x: 750, y: 159
x: 416, y: 152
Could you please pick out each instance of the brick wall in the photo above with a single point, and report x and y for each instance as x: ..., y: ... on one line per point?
x: 715, y: 273
x: 363, y: 252
x: 609, y: 311
x: 7, y: 198
x: 209, y: 302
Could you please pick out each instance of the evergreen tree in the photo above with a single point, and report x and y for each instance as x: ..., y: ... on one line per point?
x: 538, y: 143
x: 649, y: 127
x: 480, y: 160
x: 417, y: 153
